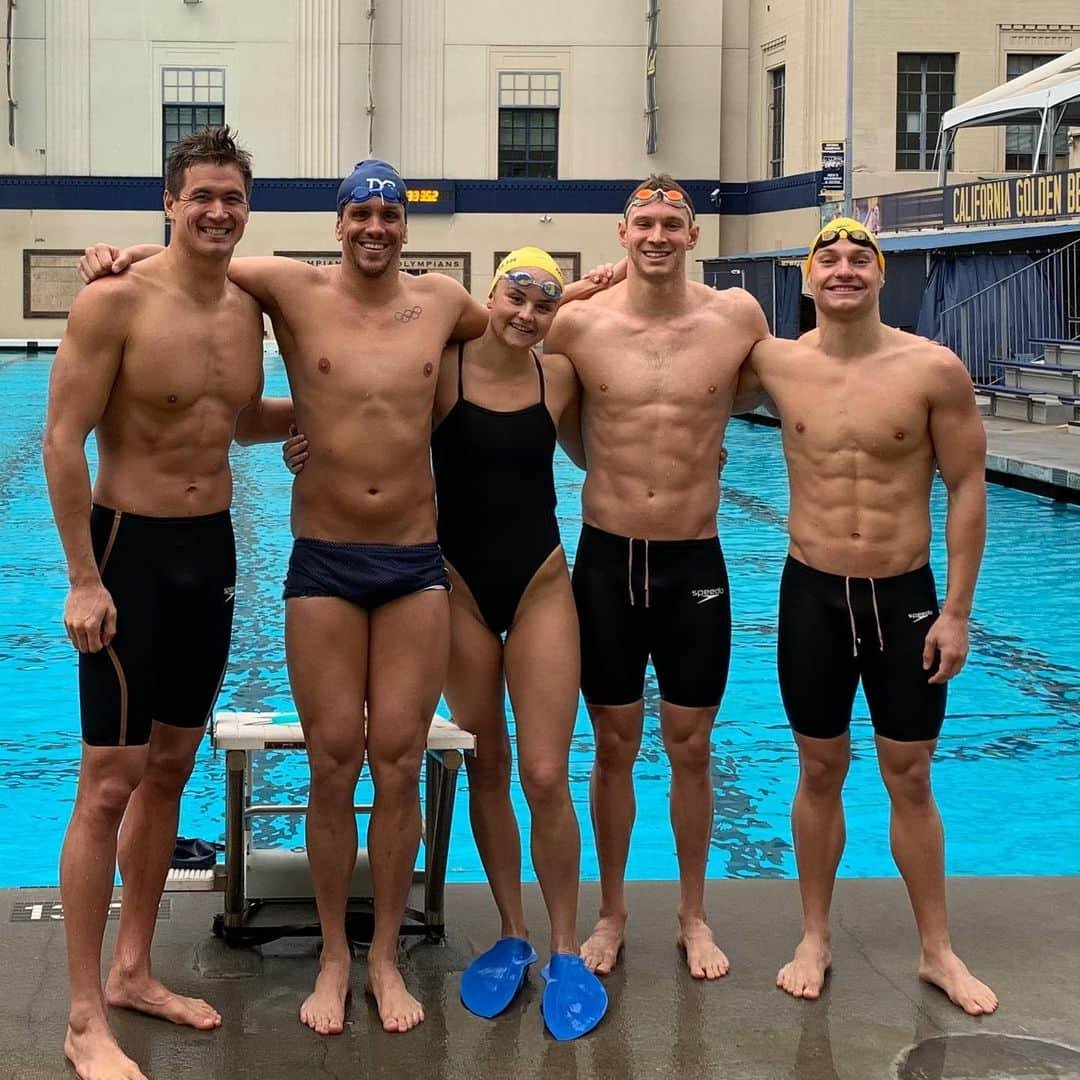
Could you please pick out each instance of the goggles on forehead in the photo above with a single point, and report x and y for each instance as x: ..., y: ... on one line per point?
x: 860, y: 237
x: 856, y: 236
x: 372, y: 188
x: 523, y: 279
x: 672, y: 196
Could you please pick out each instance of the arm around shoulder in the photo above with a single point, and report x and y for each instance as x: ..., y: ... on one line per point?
x: 471, y: 317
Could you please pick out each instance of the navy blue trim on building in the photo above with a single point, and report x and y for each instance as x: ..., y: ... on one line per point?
x: 471, y: 196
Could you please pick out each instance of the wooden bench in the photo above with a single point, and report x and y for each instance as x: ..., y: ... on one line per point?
x: 256, y: 878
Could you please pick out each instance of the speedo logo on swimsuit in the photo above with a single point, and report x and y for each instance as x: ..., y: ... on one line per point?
x: 703, y: 596
x: 230, y: 592
x: 918, y: 616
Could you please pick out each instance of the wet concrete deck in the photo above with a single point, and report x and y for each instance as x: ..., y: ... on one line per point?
x: 1035, y: 456
x: 1021, y: 935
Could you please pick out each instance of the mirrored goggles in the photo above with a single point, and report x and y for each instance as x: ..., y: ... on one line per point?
x: 523, y: 279
x: 673, y: 197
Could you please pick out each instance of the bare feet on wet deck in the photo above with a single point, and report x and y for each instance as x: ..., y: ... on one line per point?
x: 95, y: 1055
x: 399, y: 1011
x: 323, y: 1009
x: 704, y: 958
x: 950, y: 974
x: 601, y: 949
x: 145, y: 994
x: 804, y: 976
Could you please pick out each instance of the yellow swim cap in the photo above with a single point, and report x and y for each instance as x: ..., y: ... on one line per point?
x: 522, y: 257
x: 845, y: 228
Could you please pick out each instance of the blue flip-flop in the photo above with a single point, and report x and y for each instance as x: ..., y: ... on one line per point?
x: 493, y: 979
x: 574, y: 1000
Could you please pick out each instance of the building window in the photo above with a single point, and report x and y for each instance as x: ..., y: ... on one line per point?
x: 529, y: 124
x: 776, y: 122
x: 1021, y: 140
x: 191, y: 99
x: 925, y: 89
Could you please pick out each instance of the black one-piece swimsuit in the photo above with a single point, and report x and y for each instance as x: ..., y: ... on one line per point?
x: 495, y: 486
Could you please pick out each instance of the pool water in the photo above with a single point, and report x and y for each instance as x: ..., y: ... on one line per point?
x: 1007, y: 773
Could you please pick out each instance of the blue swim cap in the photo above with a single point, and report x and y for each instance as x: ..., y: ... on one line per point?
x: 371, y: 178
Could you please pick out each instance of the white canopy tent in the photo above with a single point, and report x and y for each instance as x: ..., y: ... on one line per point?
x: 1048, y: 95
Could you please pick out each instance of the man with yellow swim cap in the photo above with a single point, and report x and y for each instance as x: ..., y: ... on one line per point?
x: 867, y: 412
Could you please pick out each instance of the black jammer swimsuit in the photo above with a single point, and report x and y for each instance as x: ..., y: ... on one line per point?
x: 495, y: 487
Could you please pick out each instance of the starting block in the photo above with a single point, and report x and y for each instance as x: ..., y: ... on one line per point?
x: 258, y: 881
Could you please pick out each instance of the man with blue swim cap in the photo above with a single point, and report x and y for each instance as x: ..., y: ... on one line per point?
x: 366, y: 610
x: 370, y: 179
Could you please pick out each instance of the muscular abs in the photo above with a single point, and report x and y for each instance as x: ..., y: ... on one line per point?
x: 860, y: 463
x: 655, y: 405
x: 363, y: 386
x: 165, y: 435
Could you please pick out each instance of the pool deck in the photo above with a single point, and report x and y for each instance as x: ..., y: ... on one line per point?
x: 1039, y: 457
x: 1022, y: 935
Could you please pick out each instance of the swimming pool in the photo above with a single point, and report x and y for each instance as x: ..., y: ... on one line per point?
x: 1008, y: 769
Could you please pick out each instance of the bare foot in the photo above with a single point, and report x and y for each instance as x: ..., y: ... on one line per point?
x: 398, y: 1009
x: 146, y: 995
x: 949, y: 973
x: 804, y: 976
x: 324, y: 1008
x: 601, y: 949
x: 704, y: 958
x: 95, y: 1055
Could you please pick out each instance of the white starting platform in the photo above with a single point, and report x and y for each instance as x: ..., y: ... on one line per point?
x: 258, y: 881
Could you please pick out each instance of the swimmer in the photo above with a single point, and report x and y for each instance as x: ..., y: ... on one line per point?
x: 165, y: 365
x: 498, y: 410
x: 868, y: 412
x: 658, y: 358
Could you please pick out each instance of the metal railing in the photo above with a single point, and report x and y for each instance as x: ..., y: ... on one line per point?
x: 1010, y: 320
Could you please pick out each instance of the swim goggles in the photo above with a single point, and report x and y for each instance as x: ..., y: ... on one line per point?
x: 856, y: 236
x: 523, y: 279
x: 387, y: 190
x: 672, y: 196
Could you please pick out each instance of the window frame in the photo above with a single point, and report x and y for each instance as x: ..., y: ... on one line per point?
x: 777, y: 111
x: 1014, y: 132
x: 926, y: 151
x: 206, y: 90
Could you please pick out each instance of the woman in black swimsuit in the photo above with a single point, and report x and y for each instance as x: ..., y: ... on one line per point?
x: 498, y: 407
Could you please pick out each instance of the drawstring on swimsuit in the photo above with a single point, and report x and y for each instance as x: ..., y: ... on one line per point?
x: 630, y: 570
x: 851, y: 616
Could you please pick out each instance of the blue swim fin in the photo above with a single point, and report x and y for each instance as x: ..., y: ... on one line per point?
x: 574, y: 999
x: 493, y: 979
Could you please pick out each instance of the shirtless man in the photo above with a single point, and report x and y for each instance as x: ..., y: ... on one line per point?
x: 867, y: 412
x: 658, y: 358
x: 165, y: 365
x: 366, y: 613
